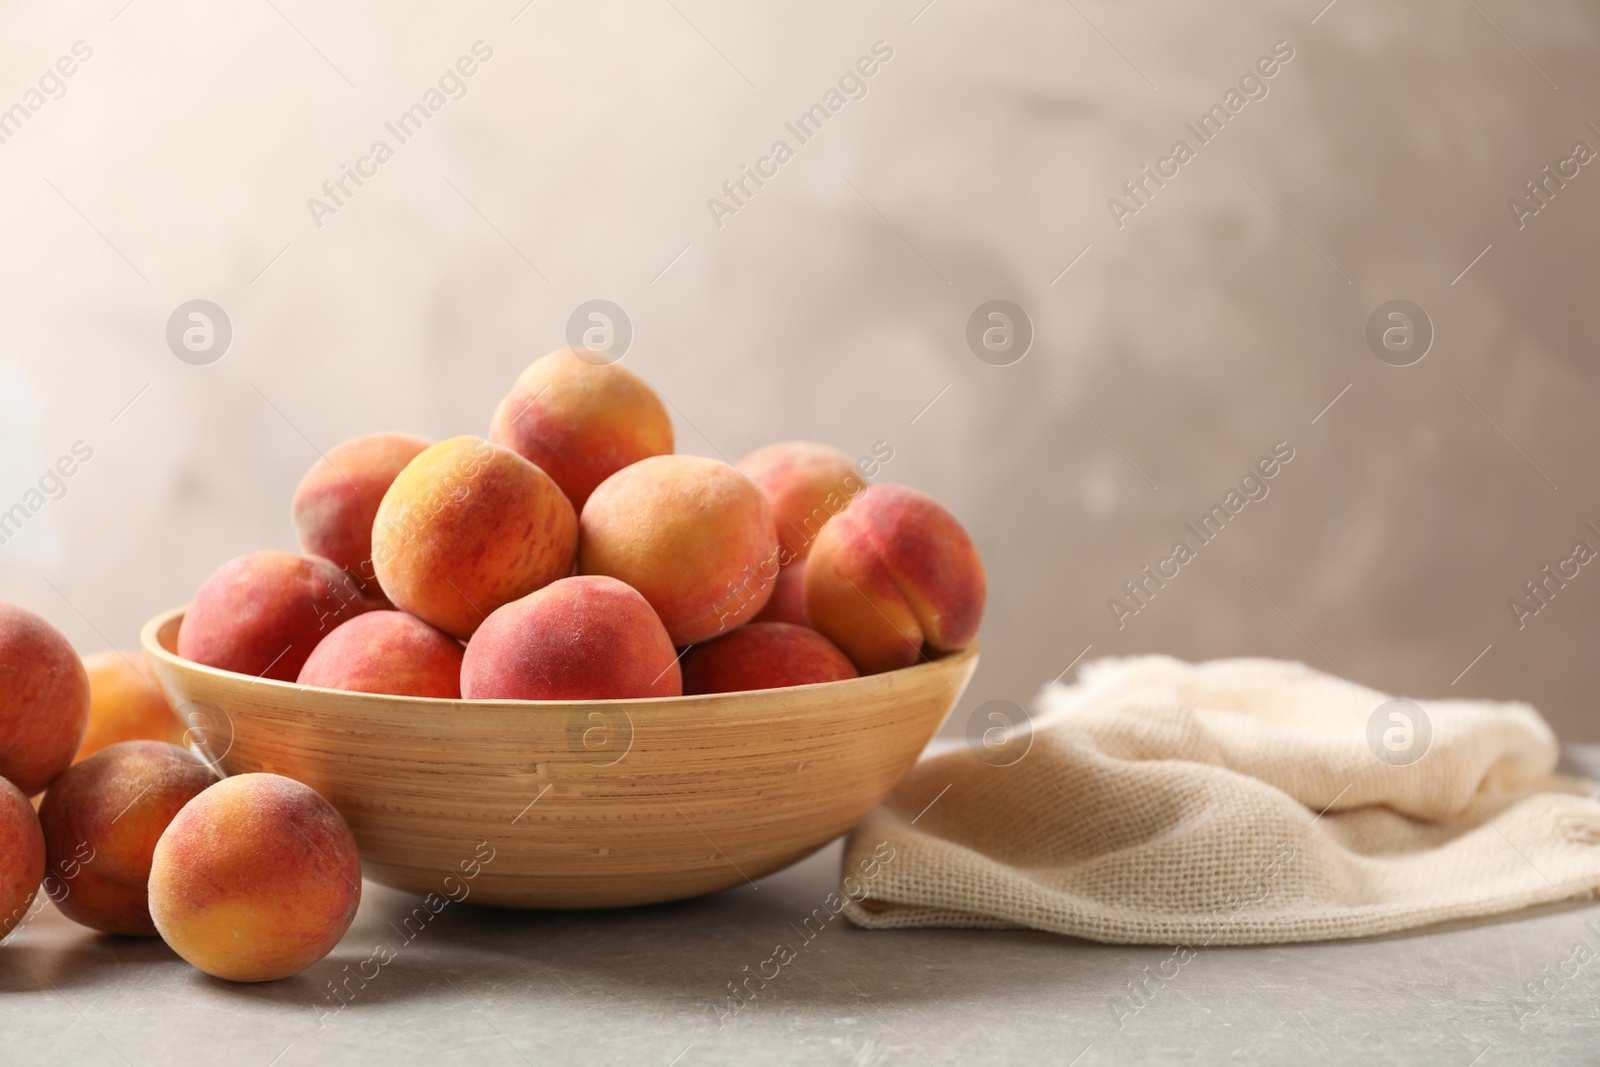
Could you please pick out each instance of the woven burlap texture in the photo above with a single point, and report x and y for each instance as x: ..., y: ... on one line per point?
x: 1235, y: 802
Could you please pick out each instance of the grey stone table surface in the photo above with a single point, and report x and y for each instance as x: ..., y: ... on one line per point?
x: 651, y: 986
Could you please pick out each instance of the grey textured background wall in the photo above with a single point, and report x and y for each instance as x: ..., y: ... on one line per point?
x: 1220, y: 318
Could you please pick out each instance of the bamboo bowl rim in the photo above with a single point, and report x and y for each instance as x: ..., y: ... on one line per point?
x: 154, y: 637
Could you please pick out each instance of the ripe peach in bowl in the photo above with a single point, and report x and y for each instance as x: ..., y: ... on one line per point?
x: 575, y: 803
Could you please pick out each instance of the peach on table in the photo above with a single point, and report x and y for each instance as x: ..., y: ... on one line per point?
x: 44, y: 700
x: 22, y: 847
x: 125, y: 704
x: 101, y: 821
x: 255, y: 879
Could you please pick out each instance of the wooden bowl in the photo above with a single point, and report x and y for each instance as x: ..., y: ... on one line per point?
x: 584, y: 804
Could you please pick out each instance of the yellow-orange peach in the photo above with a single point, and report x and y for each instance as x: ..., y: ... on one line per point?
x: 124, y: 703
x: 581, y: 420
x: 764, y: 655
x: 256, y: 879
x: 262, y: 614
x: 892, y: 573
x: 693, y: 535
x: 788, y: 603
x: 22, y: 857
x: 101, y: 821
x: 387, y: 652
x: 584, y: 638
x: 44, y: 700
x: 336, y: 501
x: 469, y: 526
x: 807, y: 484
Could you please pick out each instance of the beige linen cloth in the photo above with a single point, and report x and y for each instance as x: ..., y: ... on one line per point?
x: 1233, y: 802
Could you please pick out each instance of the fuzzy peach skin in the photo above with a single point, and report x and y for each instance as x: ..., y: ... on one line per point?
x: 336, y: 501
x: 256, y: 879
x: 807, y: 484
x: 788, y: 602
x: 764, y: 655
x: 387, y: 652
x: 124, y: 703
x: 583, y: 638
x: 44, y: 700
x: 581, y: 421
x: 22, y: 857
x: 693, y: 535
x: 469, y: 526
x: 894, y: 572
x: 262, y: 614
x: 101, y: 821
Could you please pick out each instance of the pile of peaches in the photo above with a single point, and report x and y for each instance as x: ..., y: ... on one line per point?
x: 571, y: 555
x: 248, y: 878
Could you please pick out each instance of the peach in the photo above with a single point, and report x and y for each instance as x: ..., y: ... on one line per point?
x: 788, y: 602
x: 763, y: 655
x: 101, y: 820
x: 583, y: 638
x: 807, y: 484
x: 263, y: 613
x: 336, y: 501
x: 892, y: 573
x: 256, y: 879
x: 467, y: 527
x: 581, y: 420
x: 22, y: 857
x: 387, y: 652
x: 44, y: 700
x: 125, y: 704
x: 693, y: 535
